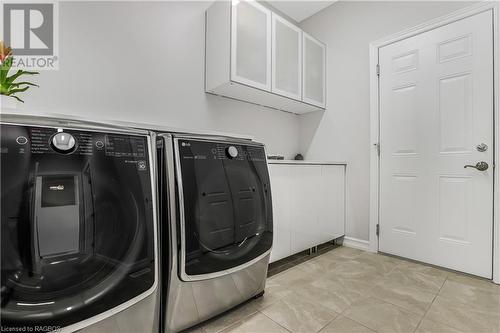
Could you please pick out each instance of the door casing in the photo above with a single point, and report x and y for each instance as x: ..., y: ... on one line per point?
x: 494, y: 7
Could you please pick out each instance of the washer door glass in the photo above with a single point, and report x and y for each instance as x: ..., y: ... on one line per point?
x: 77, y: 228
x: 226, y: 204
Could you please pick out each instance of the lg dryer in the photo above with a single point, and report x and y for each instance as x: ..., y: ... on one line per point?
x: 217, y: 204
x: 78, y: 228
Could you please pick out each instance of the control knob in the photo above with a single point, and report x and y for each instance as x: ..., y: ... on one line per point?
x: 232, y: 152
x: 63, y: 143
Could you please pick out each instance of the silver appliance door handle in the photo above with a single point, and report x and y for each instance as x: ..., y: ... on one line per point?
x: 481, y: 166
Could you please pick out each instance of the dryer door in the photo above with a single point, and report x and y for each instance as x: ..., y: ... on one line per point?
x: 77, y: 230
x: 225, y: 198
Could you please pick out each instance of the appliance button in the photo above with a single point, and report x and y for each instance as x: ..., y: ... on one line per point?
x: 63, y: 143
x: 232, y: 152
x: 99, y: 144
x: 22, y: 140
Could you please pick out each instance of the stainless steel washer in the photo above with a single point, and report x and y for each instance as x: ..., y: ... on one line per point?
x: 79, y: 230
x: 217, y: 217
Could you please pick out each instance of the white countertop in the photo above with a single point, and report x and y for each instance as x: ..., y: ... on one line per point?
x: 306, y: 162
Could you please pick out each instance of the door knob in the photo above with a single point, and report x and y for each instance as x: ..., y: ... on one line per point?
x: 482, y: 147
x: 481, y: 166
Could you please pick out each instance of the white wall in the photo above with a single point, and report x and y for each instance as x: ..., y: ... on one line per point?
x: 144, y: 61
x: 342, y: 131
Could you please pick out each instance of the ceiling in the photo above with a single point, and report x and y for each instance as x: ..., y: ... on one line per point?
x: 300, y: 10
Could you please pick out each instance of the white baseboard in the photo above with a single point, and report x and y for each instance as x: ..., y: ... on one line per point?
x: 356, y: 243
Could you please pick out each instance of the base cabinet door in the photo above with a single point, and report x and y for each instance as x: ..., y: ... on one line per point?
x: 331, y: 203
x: 281, y: 188
x: 306, y: 180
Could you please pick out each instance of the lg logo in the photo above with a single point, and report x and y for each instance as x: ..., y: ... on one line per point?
x: 29, y: 28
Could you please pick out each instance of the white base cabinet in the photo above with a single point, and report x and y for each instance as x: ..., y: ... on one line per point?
x: 308, y: 205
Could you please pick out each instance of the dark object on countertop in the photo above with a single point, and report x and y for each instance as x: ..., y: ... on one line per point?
x: 299, y: 157
x: 275, y: 157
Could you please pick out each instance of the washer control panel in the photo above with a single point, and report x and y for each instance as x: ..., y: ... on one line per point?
x: 45, y: 140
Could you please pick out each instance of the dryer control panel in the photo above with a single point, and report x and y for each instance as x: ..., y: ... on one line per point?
x: 221, y: 151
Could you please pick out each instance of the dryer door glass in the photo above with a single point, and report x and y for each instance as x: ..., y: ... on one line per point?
x: 77, y: 225
x: 226, y: 205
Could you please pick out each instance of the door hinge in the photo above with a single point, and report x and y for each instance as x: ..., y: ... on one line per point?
x: 378, y: 69
x: 377, y: 146
x: 378, y: 230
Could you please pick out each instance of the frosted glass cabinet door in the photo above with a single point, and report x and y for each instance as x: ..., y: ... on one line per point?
x: 251, y: 44
x: 287, y: 58
x: 313, y: 83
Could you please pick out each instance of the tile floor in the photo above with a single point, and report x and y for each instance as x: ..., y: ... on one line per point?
x: 346, y: 290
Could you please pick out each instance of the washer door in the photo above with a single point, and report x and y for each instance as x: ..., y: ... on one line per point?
x: 77, y: 229
x: 225, y: 200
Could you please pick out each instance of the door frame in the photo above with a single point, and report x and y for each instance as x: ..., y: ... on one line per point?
x: 492, y: 6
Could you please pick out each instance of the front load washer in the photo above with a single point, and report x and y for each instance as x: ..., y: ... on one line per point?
x: 78, y: 227
x: 217, y: 202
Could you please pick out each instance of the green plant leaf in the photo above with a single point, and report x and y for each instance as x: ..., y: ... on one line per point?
x: 17, y: 84
x: 20, y: 100
x: 14, y: 91
x: 11, y: 78
x: 7, y: 85
x: 4, y: 69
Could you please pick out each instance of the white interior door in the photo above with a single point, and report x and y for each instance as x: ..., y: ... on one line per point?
x: 287, y: 58
x: 436, y: 109
x: 251, y: 44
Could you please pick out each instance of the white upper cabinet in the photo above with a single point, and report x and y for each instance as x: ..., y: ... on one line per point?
x: 254, y: 55
x: 251, y: 44
x: 287, y: 58
x: 314, y: 71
